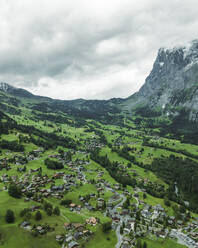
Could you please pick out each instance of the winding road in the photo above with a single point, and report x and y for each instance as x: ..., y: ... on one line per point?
x: 119, y: 236
x: 122, y: 218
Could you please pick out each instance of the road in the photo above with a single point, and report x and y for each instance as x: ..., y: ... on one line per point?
x: 184, y: 239
x: 122, y: 218
x: 119, y: 236
x: 113, y: 210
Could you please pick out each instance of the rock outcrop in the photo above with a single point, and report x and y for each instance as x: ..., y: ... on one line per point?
x: 173, y: 81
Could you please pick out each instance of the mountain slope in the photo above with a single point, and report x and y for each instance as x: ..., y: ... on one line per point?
x: 6, y: 88
x: 13, y: 99
x: 172, y: 83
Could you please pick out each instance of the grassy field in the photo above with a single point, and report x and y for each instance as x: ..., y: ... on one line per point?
x: 158, y: 243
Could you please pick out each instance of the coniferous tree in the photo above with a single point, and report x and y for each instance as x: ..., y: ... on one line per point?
x: 9, y: 217
x: 56, y: 211
x: 38, y: 215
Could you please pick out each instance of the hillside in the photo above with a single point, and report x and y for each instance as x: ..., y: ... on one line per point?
x: 80, y: 108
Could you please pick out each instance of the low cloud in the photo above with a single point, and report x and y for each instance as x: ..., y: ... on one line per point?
x: 91, y: 48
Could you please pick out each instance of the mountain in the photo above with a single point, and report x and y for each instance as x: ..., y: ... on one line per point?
x: 172, y: 83
x: 168, y: 99
x: 6, y: 88
x: 12, y: 99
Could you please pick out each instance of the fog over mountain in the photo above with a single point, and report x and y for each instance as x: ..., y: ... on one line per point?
x: 88, y: 49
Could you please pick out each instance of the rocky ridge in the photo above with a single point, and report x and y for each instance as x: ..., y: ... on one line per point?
x: 173, y: 81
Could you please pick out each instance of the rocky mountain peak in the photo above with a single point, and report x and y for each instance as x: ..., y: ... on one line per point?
x: 173, y: 80
x: 174, y: 68
x: 179, y: 56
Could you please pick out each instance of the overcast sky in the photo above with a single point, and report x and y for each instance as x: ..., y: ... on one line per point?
x: 92, y: 49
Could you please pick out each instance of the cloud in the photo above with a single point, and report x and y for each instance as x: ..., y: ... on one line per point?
x: 88, y: 49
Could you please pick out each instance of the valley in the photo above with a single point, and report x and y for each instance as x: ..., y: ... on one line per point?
x: 103, y: 173
x: 91, y: 183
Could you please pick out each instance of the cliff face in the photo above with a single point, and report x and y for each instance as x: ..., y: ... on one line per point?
x: 172, y: 81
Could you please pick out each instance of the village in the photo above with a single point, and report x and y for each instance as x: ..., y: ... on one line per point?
x: 130, y: 220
